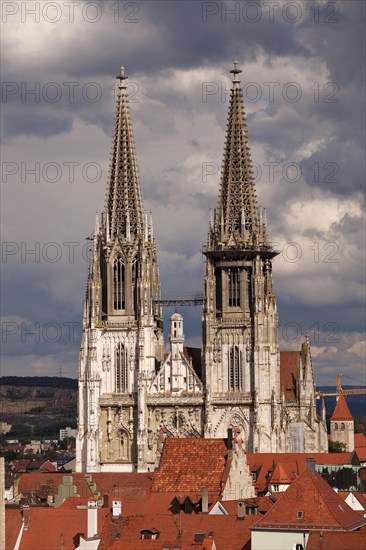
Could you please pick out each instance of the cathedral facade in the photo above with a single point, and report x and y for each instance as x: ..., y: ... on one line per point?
x: 132, y: 392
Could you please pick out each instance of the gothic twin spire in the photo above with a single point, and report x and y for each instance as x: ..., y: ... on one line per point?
x: 123, y: 202
x: 238, y: 202
x: 237, y: 212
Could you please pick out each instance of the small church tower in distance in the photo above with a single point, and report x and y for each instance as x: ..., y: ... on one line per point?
x: 342, y: 424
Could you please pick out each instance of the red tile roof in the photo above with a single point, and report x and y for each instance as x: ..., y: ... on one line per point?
x: 176, y: 531
x: 13, y: 525
x: 341, y: 411
x: 357, y: 495
x: 289, y: 368
x: 329, y: 512
x: 130, y: 488
x: 281, y: 474
x: 326, y: 540
x: 264, y: 465
x: 188, y: 465
x: 51, y: 528
x: 360, y: 446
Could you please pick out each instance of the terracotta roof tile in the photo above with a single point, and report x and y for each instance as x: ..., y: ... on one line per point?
x: 326, y: 540
x: 360, y: 446
x: 330, y: 511
x: 289, y: 368
x: 13, y: 525
x: 188, y: 465
x: 357, y: 495
x: 281, y: 474
x: 341, y: 411
x: 176, y: 531
x: 264, y: 464
x: 131, y: 488
x: 51, y: 528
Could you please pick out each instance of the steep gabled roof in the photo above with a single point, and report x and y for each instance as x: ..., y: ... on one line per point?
x: 188, y: 465
x: 264, y: 464
x: 326, y: 540
x: 289, y: 369
x: 360, y: 446
x: 281, y: 474
x: 320, y: 505
x: 341, y: 411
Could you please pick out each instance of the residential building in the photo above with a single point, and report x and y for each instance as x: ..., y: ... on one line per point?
x: 308, y: 506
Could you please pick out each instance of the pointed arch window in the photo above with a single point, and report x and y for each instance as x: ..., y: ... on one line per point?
x: 119, y: 277
x: 235, y: 369
x: 234, y: 287
x: 134, y: 277
x: 121, y: 369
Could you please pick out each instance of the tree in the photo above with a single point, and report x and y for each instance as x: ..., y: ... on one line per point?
x: 336, y: 447
x: 360, y: 425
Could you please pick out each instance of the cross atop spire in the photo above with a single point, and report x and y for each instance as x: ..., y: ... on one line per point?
x: 123, y: 200
x: 121, y: 77
x: 238, y: 215
x: 236, y: 71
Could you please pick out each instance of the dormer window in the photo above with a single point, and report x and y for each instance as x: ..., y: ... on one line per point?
x: 150, y: 534
x: 299, y: 515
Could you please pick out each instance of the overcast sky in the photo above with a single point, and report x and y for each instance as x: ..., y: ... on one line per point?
x: 303, y: 76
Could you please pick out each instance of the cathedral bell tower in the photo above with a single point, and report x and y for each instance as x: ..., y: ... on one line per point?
x: 240, y: 324
x: 122, y: 342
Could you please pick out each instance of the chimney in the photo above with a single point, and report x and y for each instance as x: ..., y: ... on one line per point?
x: 116, y: 508
x: 92, y: 519
x: 204, y: 500
x: 240, y: 510
x: 310, y: 463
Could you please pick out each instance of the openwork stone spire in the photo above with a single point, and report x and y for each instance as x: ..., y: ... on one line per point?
x: 237, y: 212
x: 123, y: 200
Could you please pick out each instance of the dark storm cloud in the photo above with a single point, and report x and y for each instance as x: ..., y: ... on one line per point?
x: 176, y: 132
x: 42, y: 124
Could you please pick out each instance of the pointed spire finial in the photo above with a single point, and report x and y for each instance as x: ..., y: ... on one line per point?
x: 121, y: 77
x: 123, y: 192
x: 236, y: 71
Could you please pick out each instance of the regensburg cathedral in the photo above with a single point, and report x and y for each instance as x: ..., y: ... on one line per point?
x: 133, y: 393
